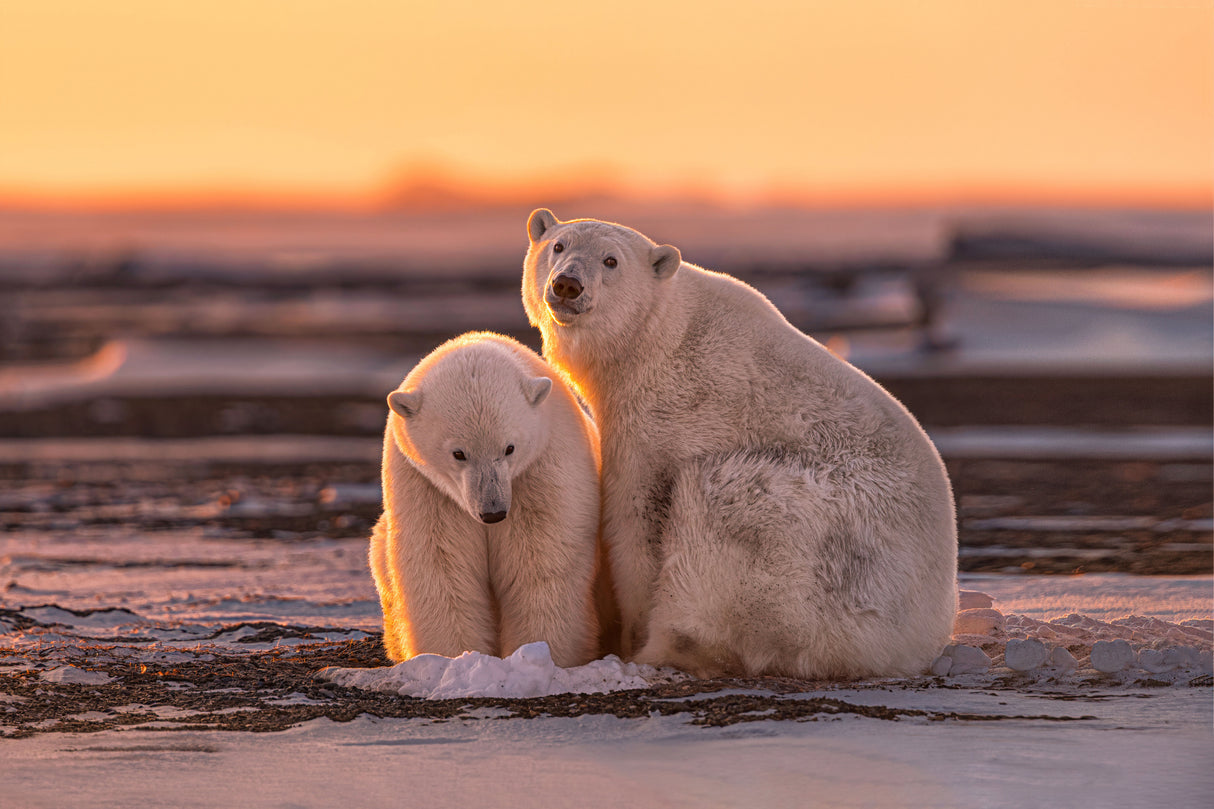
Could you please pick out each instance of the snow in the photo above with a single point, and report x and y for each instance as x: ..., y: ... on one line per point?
x: 528, y: 672
x: 1062, y: 660
x: 1149, y: 755
x: 962, y: 659
x: 978, y: 622
x: 1026, y: 654
x: 1148, y: 744
x: 1112, y: 656
x: 973, y: 600
x: 988, y: 643
x: 73, y: 676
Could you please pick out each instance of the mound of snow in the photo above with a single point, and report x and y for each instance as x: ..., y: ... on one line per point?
x: 529, y: 672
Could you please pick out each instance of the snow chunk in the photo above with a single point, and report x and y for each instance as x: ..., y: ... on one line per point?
x: 974, y: 600
x: 70, y: 675
x: 1025, y: 655
x: 978, y: 622
x: 529, y: 672
x: 1111, y: 656
x: 1062, y: 659
x: 962, y: 660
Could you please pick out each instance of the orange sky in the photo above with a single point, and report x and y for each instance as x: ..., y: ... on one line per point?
x: 840, y: 100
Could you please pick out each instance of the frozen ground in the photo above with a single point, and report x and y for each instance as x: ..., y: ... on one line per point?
x: 183, y: 513
x: 1150, y: 753
x: 165, y: 608
x: 113, y: 705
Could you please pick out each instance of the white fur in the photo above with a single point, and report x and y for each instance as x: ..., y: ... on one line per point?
x: 448, y: 581
x: 768, y: 508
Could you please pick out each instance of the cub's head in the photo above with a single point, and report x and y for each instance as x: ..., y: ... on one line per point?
x: 586, y: 274
x: 471, y: 419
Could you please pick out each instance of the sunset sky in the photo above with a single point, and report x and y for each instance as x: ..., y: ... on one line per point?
x: 1045, y: 99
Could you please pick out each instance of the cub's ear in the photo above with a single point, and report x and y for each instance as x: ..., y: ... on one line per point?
x: 665, y: 261
x: 405, y: 403
x: 537, y: 390
x: 540, y: 221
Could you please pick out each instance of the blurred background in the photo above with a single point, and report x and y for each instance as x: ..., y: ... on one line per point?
x: 227, y: 230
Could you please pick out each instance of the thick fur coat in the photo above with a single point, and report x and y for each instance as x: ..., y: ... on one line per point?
x: 489, y: 534
x: 767, y: 507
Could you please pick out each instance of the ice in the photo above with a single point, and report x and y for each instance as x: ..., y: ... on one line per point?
x: 974, y: 600
x: 965, y: 660
x: 1111, y: 656
x: 1182, y: 657
x: 1138, y: 645
x: 70, y: 675
x: 978, y: 622
x: 1152, y: 660
x: 528, y: 672
x: 1062, y: 660
x: 1025, y: 655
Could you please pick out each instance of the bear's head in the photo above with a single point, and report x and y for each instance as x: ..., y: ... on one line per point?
x: 471, y: 420
x: 585, y: 274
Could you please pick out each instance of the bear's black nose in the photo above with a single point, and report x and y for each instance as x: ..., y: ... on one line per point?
x: 493, y: 516
x: 566, y: 287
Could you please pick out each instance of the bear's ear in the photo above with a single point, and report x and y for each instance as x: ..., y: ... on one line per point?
x: 540, y: 221
x: 665, y: 261
x: 537, y: 390
x: 405, y: 403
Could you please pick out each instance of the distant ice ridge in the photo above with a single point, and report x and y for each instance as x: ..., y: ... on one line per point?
x: 529, y: 672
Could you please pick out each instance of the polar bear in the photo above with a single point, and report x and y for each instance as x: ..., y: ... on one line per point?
x: 488, y: 538
x: 767, y: 507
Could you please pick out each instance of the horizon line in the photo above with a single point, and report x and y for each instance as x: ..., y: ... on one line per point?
x: 461, y: 194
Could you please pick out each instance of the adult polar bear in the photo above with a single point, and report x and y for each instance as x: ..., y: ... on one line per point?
x: 489, y: 536
x: 768, y: 508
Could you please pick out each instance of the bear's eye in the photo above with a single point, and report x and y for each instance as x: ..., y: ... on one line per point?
x: 510, y: 449
x: 558, y: 248
x: 610, y: 261
x: 459, y: 455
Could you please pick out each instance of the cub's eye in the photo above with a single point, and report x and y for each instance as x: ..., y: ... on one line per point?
x: 510, y: 449
x: 558, y: 248
x: 459, y: 455
x: 610, y: 262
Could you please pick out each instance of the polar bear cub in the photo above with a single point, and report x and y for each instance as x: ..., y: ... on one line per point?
x: 491, y: 507
x: 768, y: 508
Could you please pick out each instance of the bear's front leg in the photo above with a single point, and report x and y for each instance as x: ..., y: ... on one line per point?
x: 543, y: 568
x: 446, y: 606
x: 389, y: 595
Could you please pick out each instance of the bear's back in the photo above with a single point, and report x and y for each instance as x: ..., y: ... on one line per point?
x: 787, y: 369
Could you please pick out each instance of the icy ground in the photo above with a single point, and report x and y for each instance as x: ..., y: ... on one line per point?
x: 1067, y: 651
x: 85, y: 688
x: 130, y: 635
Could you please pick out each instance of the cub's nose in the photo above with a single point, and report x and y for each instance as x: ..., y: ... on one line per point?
x: 566, y: 287
x: 491, y: 517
